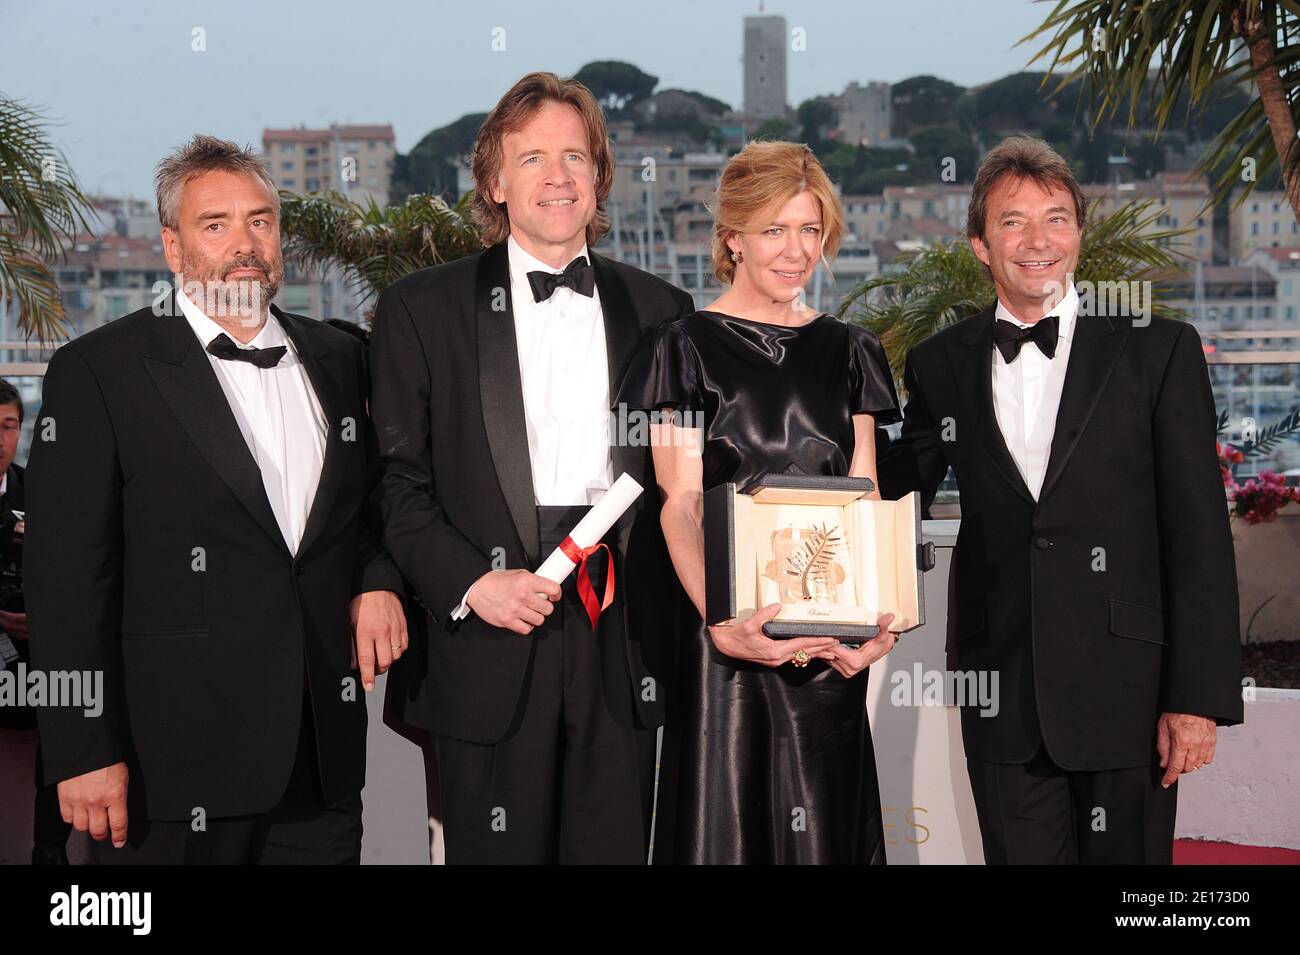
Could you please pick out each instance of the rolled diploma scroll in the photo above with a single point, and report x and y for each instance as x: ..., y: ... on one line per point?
x: 602, y: 516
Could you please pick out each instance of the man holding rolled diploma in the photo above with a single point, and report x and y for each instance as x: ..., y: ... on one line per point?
x: 492, y: 381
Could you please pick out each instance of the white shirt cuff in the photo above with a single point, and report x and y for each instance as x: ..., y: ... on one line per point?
x: 462, y: 609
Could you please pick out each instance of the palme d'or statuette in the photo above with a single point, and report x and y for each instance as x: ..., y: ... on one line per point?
x: 807, y: 558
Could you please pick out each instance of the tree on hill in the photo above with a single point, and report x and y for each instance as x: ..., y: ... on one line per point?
x: 775, y: 128
x: 935, y: 145
x: 616, y: 85
x: 816, y: 116
x: 920, y: 101
x: 429, y: 168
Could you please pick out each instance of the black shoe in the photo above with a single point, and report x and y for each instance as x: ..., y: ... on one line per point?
x: 49, y: 854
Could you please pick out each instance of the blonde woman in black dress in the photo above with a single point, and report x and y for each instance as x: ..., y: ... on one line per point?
x: 767, y: 751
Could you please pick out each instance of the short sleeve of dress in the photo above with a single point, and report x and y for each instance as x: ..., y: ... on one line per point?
x: 664, y: 372
x: 871, y: 385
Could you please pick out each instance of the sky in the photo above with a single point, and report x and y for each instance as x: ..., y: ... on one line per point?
x: 123, y: 82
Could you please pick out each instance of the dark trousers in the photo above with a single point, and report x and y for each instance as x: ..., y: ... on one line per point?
x: 300, y: 830
x: 568, y: 783
x: 1039, y: 814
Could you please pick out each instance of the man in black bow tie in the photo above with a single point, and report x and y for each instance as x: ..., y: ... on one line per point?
x: 1094, y: 569
x: 195, y: 534
x: 492, y: 387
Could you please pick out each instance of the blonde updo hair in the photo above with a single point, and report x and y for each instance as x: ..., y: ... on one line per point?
x: 756, y: 183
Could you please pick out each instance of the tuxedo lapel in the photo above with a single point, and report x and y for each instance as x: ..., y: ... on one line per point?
x: 184, y: 376
x: 1096, y: 348
x: 320, y: 363
x: 622, y: 334
x: 972, y: 365
x: 501, y: 394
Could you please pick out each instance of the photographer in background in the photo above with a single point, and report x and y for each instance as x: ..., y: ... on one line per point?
x: 50, y: 832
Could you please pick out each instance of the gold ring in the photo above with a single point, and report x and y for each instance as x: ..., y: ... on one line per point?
x: 801, y: 658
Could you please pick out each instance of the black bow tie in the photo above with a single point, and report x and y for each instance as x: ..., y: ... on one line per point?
x: 223, y: 347
x: 1009, y: 337
x: 578, y: 275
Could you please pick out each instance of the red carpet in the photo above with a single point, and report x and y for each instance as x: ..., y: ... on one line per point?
x: 1197, y: 852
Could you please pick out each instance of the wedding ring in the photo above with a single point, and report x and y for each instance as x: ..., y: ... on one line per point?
x: 801, y: 658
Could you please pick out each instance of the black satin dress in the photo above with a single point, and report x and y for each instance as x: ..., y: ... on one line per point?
x: 765, y: 765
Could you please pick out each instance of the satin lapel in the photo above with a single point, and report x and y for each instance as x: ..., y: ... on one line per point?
x: 501, y: 394
x: 622, y: 334
x: 185, y: 379
x: 320, y: 360
x: 972, y: 365
x: 1096, y: 348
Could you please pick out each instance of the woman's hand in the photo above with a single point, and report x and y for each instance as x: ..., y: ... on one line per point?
x: 746, y: 641
x: 852, y: 662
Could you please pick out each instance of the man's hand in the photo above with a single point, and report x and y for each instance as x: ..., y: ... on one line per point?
x: 747, y: 641
x: 379, y: 633
x: 852, y: 662
x: 513, y: 599
x: 95, y: 802
x: 14, y: 624
x: 1185, y: 743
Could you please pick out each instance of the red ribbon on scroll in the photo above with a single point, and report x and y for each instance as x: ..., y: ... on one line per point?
x: 586, y: 591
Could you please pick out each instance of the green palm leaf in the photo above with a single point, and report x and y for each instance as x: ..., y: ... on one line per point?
x: 1145, y: 57
x: 42, y: 210
x: 374, y: 247
x: 945, y: 283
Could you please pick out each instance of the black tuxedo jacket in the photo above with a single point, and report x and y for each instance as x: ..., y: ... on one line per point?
x: 1112, y: 598
x: 14, y: 497
x: 16, y: 717
x: 457, y: 490
x: 153, y: 556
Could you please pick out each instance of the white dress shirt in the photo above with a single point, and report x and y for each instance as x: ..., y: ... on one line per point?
x: 564, y: 373
x: 1027, y: 392
x: 278, y: 415
x: 565, y: 378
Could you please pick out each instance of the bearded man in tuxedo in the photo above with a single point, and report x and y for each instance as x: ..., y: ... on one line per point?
x: 195, y: 534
